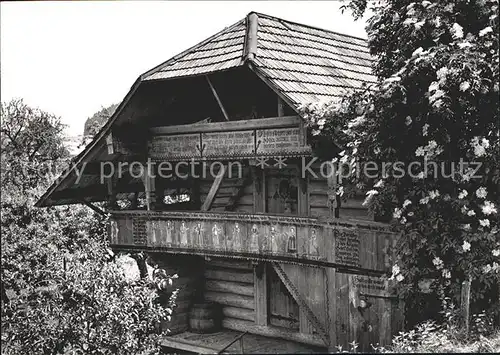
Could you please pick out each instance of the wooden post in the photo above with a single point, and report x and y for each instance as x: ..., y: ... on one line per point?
x: 260, y: 294
x: 465, y: 304
x: 111, y: 186
x: 281, y: 107
x: 149, y: 187
x: 258, y: 188
x: 332, y: 193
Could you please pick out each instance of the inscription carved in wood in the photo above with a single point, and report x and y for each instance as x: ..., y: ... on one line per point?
x: 347, y: 248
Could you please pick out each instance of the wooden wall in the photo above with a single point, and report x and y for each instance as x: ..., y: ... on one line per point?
x: 230, y: 283
x: 318, y: 199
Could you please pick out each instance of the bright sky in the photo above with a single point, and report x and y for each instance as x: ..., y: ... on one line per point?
x: 71, y: 58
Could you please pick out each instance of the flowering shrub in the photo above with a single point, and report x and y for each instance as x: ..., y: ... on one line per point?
x: 435, y: 105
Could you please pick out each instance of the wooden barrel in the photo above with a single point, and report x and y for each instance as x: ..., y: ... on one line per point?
x: 205, y: 317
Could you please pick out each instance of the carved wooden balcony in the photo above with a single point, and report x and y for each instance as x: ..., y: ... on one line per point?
x: 341, y: 244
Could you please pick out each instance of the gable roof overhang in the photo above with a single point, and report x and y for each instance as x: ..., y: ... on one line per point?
x: 300, y: 63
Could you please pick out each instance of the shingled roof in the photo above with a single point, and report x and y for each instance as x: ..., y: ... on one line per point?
x: 303, y: 63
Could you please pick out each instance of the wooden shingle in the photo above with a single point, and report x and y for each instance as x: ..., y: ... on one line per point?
x: 304, y: 63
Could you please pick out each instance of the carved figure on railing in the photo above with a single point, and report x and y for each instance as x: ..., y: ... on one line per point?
x: 217, y: 236
x: 233, y: 239
x: 313, y: 243
x: 199, y: 234
x: 184, y: 233
x: 292, y: 241
x: 170, y: 232
x: 254, y: 239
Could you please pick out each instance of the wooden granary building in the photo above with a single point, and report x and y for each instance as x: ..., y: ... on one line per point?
x: 206, y: 166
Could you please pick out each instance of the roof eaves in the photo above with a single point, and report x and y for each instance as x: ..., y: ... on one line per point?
x: 83, y: 154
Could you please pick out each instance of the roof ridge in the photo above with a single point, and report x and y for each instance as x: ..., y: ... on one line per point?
x: 185, y: 52
x: 304, y: 25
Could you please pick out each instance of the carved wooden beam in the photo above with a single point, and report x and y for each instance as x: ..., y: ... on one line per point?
x: 213, y: 190
x: 217, y: 98
x: 93, y: 208
x: 261, y: 123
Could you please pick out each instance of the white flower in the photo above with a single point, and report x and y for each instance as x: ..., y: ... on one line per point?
x: 486, y: 269
x: 424, y: 201
x: 464, y: 209
x: 372, y: 192
x: 399, y: 278
x: 495, y: 266
x: 479, y: 146
x: 432, y: 144
x: 463, y: 194
x: 420, y: 152
x: 484, y: 222
x: 485, y: 31
x: 410, y: 214
x: 495, y: 252
x: 433, y: 194
x: 397, y: 213
x: 481, y: 192
x: 406, y: 203
x: 471, y: 213
x: 379, y: 183
x: 395, y: 271
x: 403, y: 220
x: 437, y: 20
x: 442, y: 72
x: 420, y: 175
x: 425, y: 129
x: 418, y: 25
x: 457, y: 31
x: 464, y: 44
x: 408, y: 120
x: 434, y: 86
x: 356, y: 122
x: 466, y: 246
x: 488, y: 208
x: 446, y: 274
x: 466, y: 226
x: 479, y: 151
x: 417, y: 51
x: 437, y: 262
x: 464, y: 86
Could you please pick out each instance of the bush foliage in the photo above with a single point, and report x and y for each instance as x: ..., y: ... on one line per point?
x: 435, y: 100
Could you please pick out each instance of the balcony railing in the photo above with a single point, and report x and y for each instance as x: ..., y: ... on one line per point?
x: 342, y: 244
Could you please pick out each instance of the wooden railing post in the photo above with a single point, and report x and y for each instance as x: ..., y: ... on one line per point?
x: 465, y: 304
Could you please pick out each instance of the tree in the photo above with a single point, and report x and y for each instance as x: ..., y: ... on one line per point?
x: 97, y: 120
x: 435, y: 105
x: 32, y: 148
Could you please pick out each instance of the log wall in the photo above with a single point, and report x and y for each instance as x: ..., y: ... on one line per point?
x: 230, y: 283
